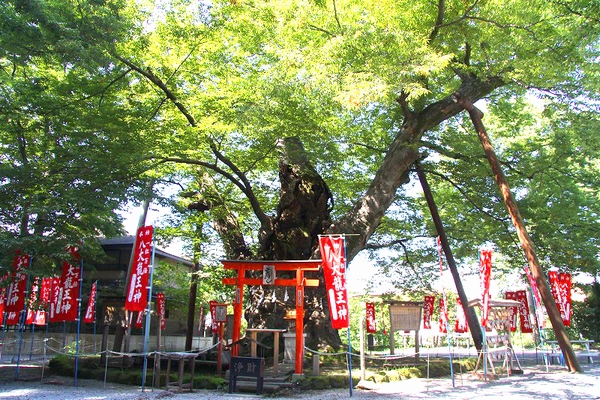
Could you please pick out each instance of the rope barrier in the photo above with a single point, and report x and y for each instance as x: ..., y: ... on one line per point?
x: 130, y: 354
x: 345, y: 353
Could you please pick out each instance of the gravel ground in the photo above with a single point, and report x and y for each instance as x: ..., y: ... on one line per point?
x: 535, y: 383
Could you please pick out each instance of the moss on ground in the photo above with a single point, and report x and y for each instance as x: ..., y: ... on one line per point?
x: 332, y: 375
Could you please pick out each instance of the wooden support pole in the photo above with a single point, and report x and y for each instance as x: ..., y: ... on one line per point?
x: 472, y: 320
x: 526, y: 242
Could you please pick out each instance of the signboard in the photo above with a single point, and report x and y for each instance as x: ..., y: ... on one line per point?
x: 161, y: 309
x: 268, y: 275
x: 405, y: 316
x: 221, y: 313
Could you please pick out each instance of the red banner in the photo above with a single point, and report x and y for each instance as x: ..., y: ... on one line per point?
x: 65, y: 308
x: 428, y: 303
x: 485, y: 273
x: 538, y: 299
x: 33, y: 298
x: 514, y: 311
x: 334, y: 269
x: 461, y: 325
x: 139, y: 321
x: 371, y: 325
x: 200, y: 320
x: 161, y: 309
x: 44, y: 300
x: 554, y: 288
x: 524, y: 311
x: 55, y: 297
x: 16, y: 291
x: 564, y: 289
x: 90, y: 311
x: 443, y: 322
x: 2, y: 297
x: 560, y: 285
x: 214, y: 326
x: 137, y: 287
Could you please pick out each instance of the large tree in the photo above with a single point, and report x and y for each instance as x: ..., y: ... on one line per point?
x: 291, y: 106
x: 286, y: 120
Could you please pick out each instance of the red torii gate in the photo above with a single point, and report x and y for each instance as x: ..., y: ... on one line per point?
x: 300, y: 282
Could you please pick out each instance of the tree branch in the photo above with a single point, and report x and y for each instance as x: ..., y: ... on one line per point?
x: 439, y: 21
x: 466, y: 196
x: 242, y: 182
x: 148, y: 74
x: 213, y: 167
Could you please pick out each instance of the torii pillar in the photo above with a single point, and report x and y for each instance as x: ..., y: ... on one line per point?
x: 299, y: 282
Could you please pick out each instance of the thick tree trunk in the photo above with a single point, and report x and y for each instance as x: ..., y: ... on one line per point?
x: 524, y: 238
x: 302, y: 215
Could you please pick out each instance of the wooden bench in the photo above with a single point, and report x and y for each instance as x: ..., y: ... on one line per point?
x: 249, y: 367
x: 181, y: 358
x: 555, y: 352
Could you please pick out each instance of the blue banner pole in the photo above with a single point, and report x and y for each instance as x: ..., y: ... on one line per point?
x: 22, y: 321
x: 349, y: 342
x: 147, y: 325
x: 78, y: 318
x: 95, y: 298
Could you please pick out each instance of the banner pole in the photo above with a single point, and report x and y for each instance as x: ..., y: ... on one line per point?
x: 349, y: 342
x: 147, y: 327
x: 32, y: 339
x: 95, y: 324
x: 22, y: 321
x: 78, y: 318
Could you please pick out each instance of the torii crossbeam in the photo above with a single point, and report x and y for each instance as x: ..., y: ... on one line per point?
x: 300, y: 282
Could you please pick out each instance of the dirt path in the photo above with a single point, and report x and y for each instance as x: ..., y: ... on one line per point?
x: 535, y: 383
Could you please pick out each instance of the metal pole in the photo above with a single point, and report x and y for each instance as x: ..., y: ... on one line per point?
x: 349, y: 362
x: 78, y: 318
x: 95, y: 307
x: 147, y: 327
x: 349, y: 342
x: 363, y: 372
x: 32, y: 338
x: 22, y: 322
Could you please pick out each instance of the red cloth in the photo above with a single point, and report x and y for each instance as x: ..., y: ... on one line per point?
x: 485, y: 273
x: 461, y: 325
x: 334, y: 270
x: 90, y: 311
x: 524, y: 311
x: 514, y: 311
x: 137, y: 287
x: 370, y: 311
x: 429, y: 301
x: 66, y: 305
x: 16, y: 291
x: 443, y: 316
